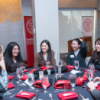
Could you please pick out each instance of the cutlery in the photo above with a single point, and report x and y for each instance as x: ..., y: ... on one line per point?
x: 83, y: 97
x: 57, y: 90
x: 36, y: 96
x: 50, y: 95
x: 16, y: 93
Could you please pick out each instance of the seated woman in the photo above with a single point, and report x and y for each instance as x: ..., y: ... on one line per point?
x: 79, y: 53
x: 3, y: 72
x: 95, y: 58
x: 12, y: 56
x: 93, y: 90
x: 46, y: 54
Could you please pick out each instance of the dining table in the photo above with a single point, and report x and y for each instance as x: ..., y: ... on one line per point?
x: 45, y: 96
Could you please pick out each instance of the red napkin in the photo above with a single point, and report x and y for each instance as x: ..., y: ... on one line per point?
x: 25, y: 71
x: 80, y: 81
x: 68, y: 95
x: 10, y: 77
x: 98, y: 87
x: 42, y: 67
x: 10, y: 85
x: 60, y: 83
x: 86, y: 70
x: 71, y: 66
x: 47, y: 68
x: 25, y: 95
x: 85, y: 76
x: 24, y: 77
x: 33, y: 70
x: 38, y: 84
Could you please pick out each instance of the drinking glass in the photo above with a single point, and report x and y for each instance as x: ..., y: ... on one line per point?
x: 72, y: 78
x: 45, y: 83
x: 91, y: 66
x: 19, y: 73
x: 30, y: 79
x: 76, y: 64
x: 65, y: 87
x: 90, y: 74
x: 41, y: 74
x: 22, y: 66
x: 47, y: 63
x: 59, y: 71
x: 60, y: 62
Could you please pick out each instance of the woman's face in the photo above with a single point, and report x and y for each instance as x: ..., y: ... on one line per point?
x: 75, y: 45
x: 15, y: 51
x: 44, y: 47
x: 97, y: 45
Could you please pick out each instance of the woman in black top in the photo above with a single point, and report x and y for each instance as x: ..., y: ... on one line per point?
x: 95, y: 58
x: 12, y: 56
x: 79, y: 53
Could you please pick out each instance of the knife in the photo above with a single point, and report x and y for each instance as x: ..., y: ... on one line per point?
x: 36, y: 96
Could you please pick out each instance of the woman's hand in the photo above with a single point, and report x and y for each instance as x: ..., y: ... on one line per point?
x: 96, y: 79
x: 81, y: 40
x: 2, y: 64
x: 91, y: 85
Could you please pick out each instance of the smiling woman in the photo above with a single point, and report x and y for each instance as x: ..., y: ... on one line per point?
x: 12, y: 56
x: 45, y: 55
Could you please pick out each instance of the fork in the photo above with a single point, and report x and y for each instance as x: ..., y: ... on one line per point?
x: 16, y: 93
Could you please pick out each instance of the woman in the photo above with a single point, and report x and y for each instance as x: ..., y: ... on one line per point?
x: 79, y: 53
x: 12, y: 56
x: 95, y: 58
x: 93, y: 90
x: 3, y: 72
x: 46, y: 54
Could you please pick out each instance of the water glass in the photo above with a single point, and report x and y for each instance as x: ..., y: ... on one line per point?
x: 41, y: 74
x: 45, y: 83
x: 30, y: 78
x: 91, y: 66
x: 76, y: 64
x: 73, y: 78
x: 90, y: 74
x: 59, y: 71
x: 47, y: 63
x: 19, y: 73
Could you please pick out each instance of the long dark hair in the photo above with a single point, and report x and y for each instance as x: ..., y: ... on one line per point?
x: 8, y: 55
x: 77, y: 40
x: 96, y: 54
x: 49, y: 50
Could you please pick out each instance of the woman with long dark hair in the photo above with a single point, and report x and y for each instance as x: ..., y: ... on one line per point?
x: 95, y: 58
x: 79, y: 53
x: 12, y: 56
x: 46, y: 54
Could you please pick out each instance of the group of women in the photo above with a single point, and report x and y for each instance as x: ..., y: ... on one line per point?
x: 11, y: 59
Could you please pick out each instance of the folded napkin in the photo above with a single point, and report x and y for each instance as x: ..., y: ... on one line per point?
x: 25, y: 95
x: 26, y: 76
x: 10, y: 77
x: 43, y: 67
x: 64, y: 69
x: 61, y: 82
x: 25, y: 71
x: 86, y: 70
x: 38, y: 83
x: 71, y: 66
x: 50, y: 68
x: 68, y: 95
x: 10, y: 85
x: 80, y: 81
x: 85, y: 76
x: 35, y: 71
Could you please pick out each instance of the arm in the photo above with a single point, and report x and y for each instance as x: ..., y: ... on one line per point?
x: 96, y: 94
x: 83, y: 49
x: 3, y: 81
x: 36, y: 61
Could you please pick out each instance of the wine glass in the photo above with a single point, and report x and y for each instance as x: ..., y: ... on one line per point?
x: 59, y: 71
x: 91, y: 66
x: 72, y: 78
x: 60, y: 62
x: 19, y: 73
x: 90, y: 74
x: 30, y: 79
x: 47, y: 63
x: 45, y: 83
x: 65, y: 87
x: 22, y: 66
x: 76, y: 64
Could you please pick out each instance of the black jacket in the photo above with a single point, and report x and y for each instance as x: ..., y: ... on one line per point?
x: 96, y: 64
x: 80, y: 57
